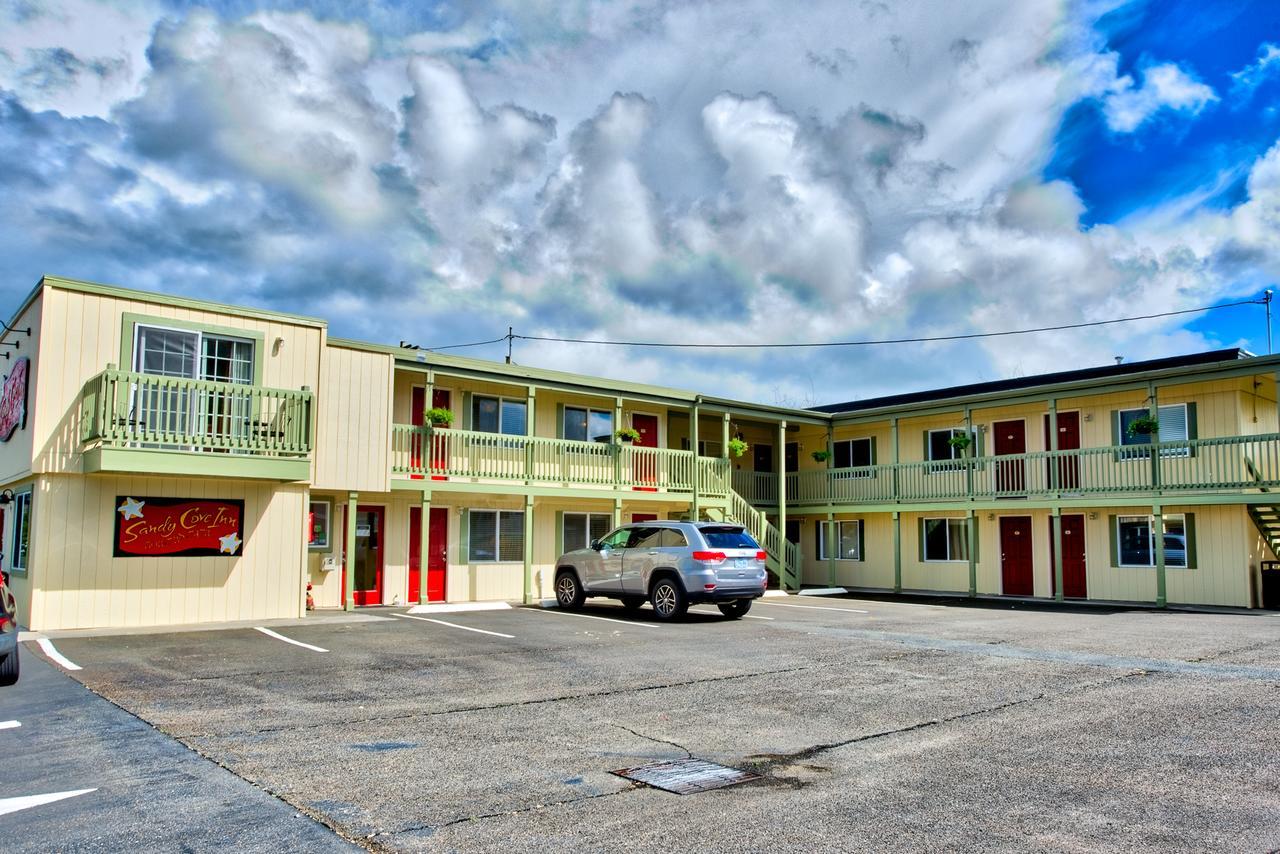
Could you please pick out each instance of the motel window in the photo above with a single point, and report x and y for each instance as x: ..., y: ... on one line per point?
x: 193, y: 355
x: 21, y: 531
x: 705, y: 449
x: 1135, y: 544
x: 938, y: 444
x: 499, y: 415
x: 580, y: 530
x: 495, y: 536
x: 1176, y: 424
x: 856, y: 454
x: 848, y: 539
x: 587, y: 425
x: 945, y: 540
x: 318, y: 519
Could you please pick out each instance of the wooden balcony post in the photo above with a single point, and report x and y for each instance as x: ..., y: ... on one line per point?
x: 971, y: 457
x: 349, y: 554
x: 893, y: 438
x: 528, y: 548
x: 973, y: 553
x: 1058, y: 592
x: 897, y: 552
x: 724, y: 436
x: 424, y: 546
x: 1154, y: 411
x: 617, y: 445
x: 831, y: 463
x: 1157, y: 536
x: 694, y: 511
x: 781, y: 466
x: 1055, y: 463
x: 530, y: 400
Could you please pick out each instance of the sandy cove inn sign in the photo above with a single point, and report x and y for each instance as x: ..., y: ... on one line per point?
x: 178, y: 527
x: 13, y: 400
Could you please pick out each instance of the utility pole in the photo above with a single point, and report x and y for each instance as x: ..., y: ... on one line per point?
x: 510, y: 336
x: 1266, y: 299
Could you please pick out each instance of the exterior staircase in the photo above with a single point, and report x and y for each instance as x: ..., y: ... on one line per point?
x: 1266, y: 517
x: 784, y: 556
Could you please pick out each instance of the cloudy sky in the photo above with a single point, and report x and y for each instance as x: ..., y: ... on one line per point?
x: 710, y: 171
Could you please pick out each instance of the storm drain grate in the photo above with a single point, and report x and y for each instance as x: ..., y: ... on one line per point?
x: 686, y: 776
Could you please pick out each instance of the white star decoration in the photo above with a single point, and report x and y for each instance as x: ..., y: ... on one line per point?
x: 229, y: 544
x: 131, y: 508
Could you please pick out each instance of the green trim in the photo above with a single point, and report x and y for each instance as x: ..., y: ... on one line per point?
x: 129, y: 322
x: 27, y: 489
x: 464, y: 537
x: 329, y: 546
x: 1189, y: 529
x: 1113, y: 539
x: 142, y: 461
x: 1089, y: 501
x: 560, y: 532
x: 174, y: 300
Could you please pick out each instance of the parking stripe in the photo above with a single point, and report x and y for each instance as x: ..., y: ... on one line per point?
x: 279, y: 636
x: 26, y: 802
x: 817, y: 608
x: 453, y: 625
x: 58, y: 658
x: 10, y: 724
x: 565, y: 613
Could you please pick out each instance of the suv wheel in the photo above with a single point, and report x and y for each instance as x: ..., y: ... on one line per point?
x: 569, y: 593
x: 668, y: 599
x: 9, y: 668
x: 736, y: 609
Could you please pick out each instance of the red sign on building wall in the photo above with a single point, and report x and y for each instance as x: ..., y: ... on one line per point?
x: 189, y: 527
x: 13, y: 399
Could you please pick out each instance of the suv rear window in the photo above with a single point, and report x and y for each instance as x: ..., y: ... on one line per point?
x: 728, y: 538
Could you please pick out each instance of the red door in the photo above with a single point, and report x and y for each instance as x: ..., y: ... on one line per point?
x: 1074, y: 585
x: 368, y: 556
x: 1068, y: 440
x: 437, y: 551
x: 646, y: 465
x: 643, y: 517
x: 1011, y: 475
x: 440, y: 399
x: 1015, y: 556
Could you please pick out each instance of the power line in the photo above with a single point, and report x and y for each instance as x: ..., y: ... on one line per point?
x: 918, y: 340
x: 458, y: 346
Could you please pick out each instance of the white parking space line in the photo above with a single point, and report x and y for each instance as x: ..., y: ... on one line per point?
x: 453, y: 625
x: 816, y: 608
x: 279, y: 636
x: 745, y: 616
x: 564, y: 613
x: 10, y: 724
x: 26, y: 802
x: 59, y: 658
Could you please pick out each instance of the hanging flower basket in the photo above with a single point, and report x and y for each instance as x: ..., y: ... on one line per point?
x: 440, y: 417
x: 1144, y: 426
x: 737, y: 447
x: 821, y: 456
x: 628, y: 435
x: 960, y: 441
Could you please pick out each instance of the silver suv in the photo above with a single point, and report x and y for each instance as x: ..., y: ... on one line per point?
x: 672, y: 565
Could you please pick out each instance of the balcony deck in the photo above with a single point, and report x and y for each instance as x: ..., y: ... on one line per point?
x: 470, y: 457
x: 1226, y: 465
x: 133, y: 423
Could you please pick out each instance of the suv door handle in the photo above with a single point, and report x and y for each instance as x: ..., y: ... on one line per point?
x: 654, y: 553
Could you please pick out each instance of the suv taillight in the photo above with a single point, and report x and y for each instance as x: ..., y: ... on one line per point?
x: 762, y: 555
x: 709, y: 557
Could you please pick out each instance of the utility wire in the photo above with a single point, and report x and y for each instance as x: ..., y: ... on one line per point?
x: 919, y: 340
x: 460, y: 346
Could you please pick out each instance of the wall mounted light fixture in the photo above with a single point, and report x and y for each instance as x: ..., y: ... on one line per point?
x: 6, y: 497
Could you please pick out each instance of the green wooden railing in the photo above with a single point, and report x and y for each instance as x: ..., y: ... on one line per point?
x: 122, y: 409
x: 756, y: 486
x: 449, y: 453
x: 1205, y: 465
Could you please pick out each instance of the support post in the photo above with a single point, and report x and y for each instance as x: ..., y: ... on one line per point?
x: 893, y: 438
x: 832, y: 542
x: 528, y: 550
x: 617, y: 512
x: 781, y: 464
x: 830, y: 491
x: 1058, y: 593
x: 1154, y: 411
x: 724, y: 436
x: 897, y: 552
x: 969, y: 462
x: 694, y: 511
x: 424, y: 546
x: 1055, y: 464
x: 973, y: 554
x: 349, y: 553
x: 617, y: 445
x: 1157, y: 537
x: 530, y: 400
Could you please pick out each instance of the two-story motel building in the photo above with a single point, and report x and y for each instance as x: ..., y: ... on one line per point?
x: 172, y: 461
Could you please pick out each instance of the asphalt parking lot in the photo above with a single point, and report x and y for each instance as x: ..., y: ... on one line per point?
x: 885, y: 725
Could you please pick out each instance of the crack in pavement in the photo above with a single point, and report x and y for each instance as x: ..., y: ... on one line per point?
x: 630, y: 787
x: 774, y: 760
x: 586, y: 695
x: 688, y: 754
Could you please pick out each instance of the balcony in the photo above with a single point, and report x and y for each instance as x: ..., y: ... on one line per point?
x: 1228, y: 464
x: 142, y: 423
x: 446, y: 454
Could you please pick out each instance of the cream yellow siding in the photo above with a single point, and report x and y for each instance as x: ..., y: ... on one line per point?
x: 353, y: 421
x: 78, y: 584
